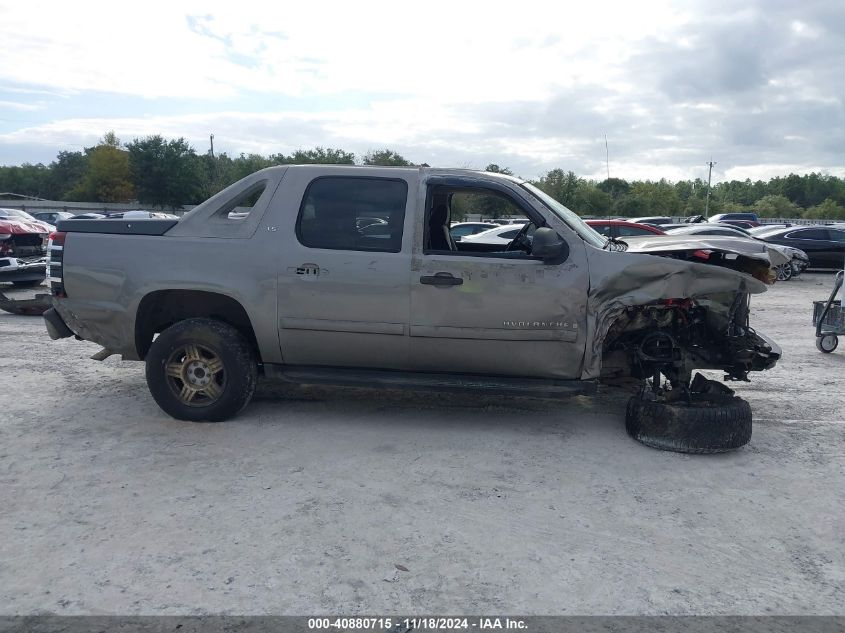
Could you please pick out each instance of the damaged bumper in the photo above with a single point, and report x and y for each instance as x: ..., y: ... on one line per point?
x: 22, y: 269
x: 768, y: 353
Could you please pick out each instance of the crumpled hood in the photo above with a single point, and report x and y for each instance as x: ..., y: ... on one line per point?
x: 20, y: 227
x: 639, y: 277
x: 667, y: 244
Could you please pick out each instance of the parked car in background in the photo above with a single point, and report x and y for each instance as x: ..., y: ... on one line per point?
x: 653, y: 220
x: 707, y: 229
x: 26, y: 218
x: 89, y: 216
x: 623, y: 228
x: 798, y: 259
x: 460, y: 230
x: 502, y: 221
x: 51, y: 217
x: 824, y: 245
x: 23, y: 251
x: 743, y: 224
x: 767, y: 228
x: 721, y: 217
x: 501, y: 235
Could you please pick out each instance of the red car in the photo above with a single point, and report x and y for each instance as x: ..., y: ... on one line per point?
x: 23, y: 249
x: 622, y: 228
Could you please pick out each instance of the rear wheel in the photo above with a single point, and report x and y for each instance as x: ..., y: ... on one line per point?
x: 707, y: 423
x: 201, y: 370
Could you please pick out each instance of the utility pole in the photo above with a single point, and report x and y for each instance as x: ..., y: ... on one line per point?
x: 212, y: 145
x: 707, y: 199
x: 607, y: 156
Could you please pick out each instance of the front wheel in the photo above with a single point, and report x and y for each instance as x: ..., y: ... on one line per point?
x: 707, y: 423
x: 202, y: 370
x: 784, y: 272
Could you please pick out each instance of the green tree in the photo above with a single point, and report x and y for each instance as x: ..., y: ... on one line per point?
x: 316, y: 156
x: 826, y: 210
x: 386, y: 158
x: 776, y: 206
x: 66, y: 173
x: 107, y: 176
x: 495, y: 169
x: 26, y: 179
x: 649, y: 198
x: 166, y: 173
x: 614, y: 187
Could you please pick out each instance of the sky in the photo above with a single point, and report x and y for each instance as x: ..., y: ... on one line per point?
x: 757, y: 85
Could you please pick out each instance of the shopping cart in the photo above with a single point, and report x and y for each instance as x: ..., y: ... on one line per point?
x: 829, y: 319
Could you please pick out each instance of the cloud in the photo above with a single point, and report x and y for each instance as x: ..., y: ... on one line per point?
x: 754, y: 84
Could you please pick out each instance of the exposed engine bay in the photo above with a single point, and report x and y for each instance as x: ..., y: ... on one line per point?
x: 673, y: 337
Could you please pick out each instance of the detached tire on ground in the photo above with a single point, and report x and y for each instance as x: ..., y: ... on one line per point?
x: 711, y: 423
x: 202, y: 370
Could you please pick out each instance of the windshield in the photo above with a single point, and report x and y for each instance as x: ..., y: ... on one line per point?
x: 572, y: 219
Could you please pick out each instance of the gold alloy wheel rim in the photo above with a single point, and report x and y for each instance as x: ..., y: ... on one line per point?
x: 195, y: 375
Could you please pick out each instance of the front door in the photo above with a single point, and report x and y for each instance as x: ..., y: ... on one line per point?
x: 494, y: 310
x: 343, y: 273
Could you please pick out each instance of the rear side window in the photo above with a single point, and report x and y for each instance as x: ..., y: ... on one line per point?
x: 604, y: 229
x: 809, y: 234
x: 353, y: 214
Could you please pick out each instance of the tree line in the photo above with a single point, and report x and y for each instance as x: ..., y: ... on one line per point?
x: 166, y: 173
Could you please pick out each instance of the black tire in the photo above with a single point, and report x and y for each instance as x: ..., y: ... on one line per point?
x: 201, y: 350
x: 826, y: 343
x: 712, y: 423
x: 28, y: 284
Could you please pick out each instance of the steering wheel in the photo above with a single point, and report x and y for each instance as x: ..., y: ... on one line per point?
x: 521, y: 242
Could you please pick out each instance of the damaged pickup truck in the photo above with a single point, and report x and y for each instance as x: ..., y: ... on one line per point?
x: 279, y: 275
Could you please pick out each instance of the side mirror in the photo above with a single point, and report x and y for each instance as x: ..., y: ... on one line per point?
x: 547, y: 244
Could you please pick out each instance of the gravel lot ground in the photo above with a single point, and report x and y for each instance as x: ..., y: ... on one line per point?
x: 311, y: 498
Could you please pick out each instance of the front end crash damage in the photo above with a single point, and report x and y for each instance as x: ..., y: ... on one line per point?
x: 665, y: 316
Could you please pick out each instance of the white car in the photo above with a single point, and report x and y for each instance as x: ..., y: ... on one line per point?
x: 460, y: 230
x: 501, y: 235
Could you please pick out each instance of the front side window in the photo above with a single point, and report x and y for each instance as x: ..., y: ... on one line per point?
x: 446, y: 204
x: 354, y: 214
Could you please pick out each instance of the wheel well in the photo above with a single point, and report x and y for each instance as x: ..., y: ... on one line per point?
x: 162, y: 308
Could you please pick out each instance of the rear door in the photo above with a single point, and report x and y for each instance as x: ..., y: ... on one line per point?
x: 343, y: 267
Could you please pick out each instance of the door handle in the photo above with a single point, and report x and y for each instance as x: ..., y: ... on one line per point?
x: 441, y: 279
